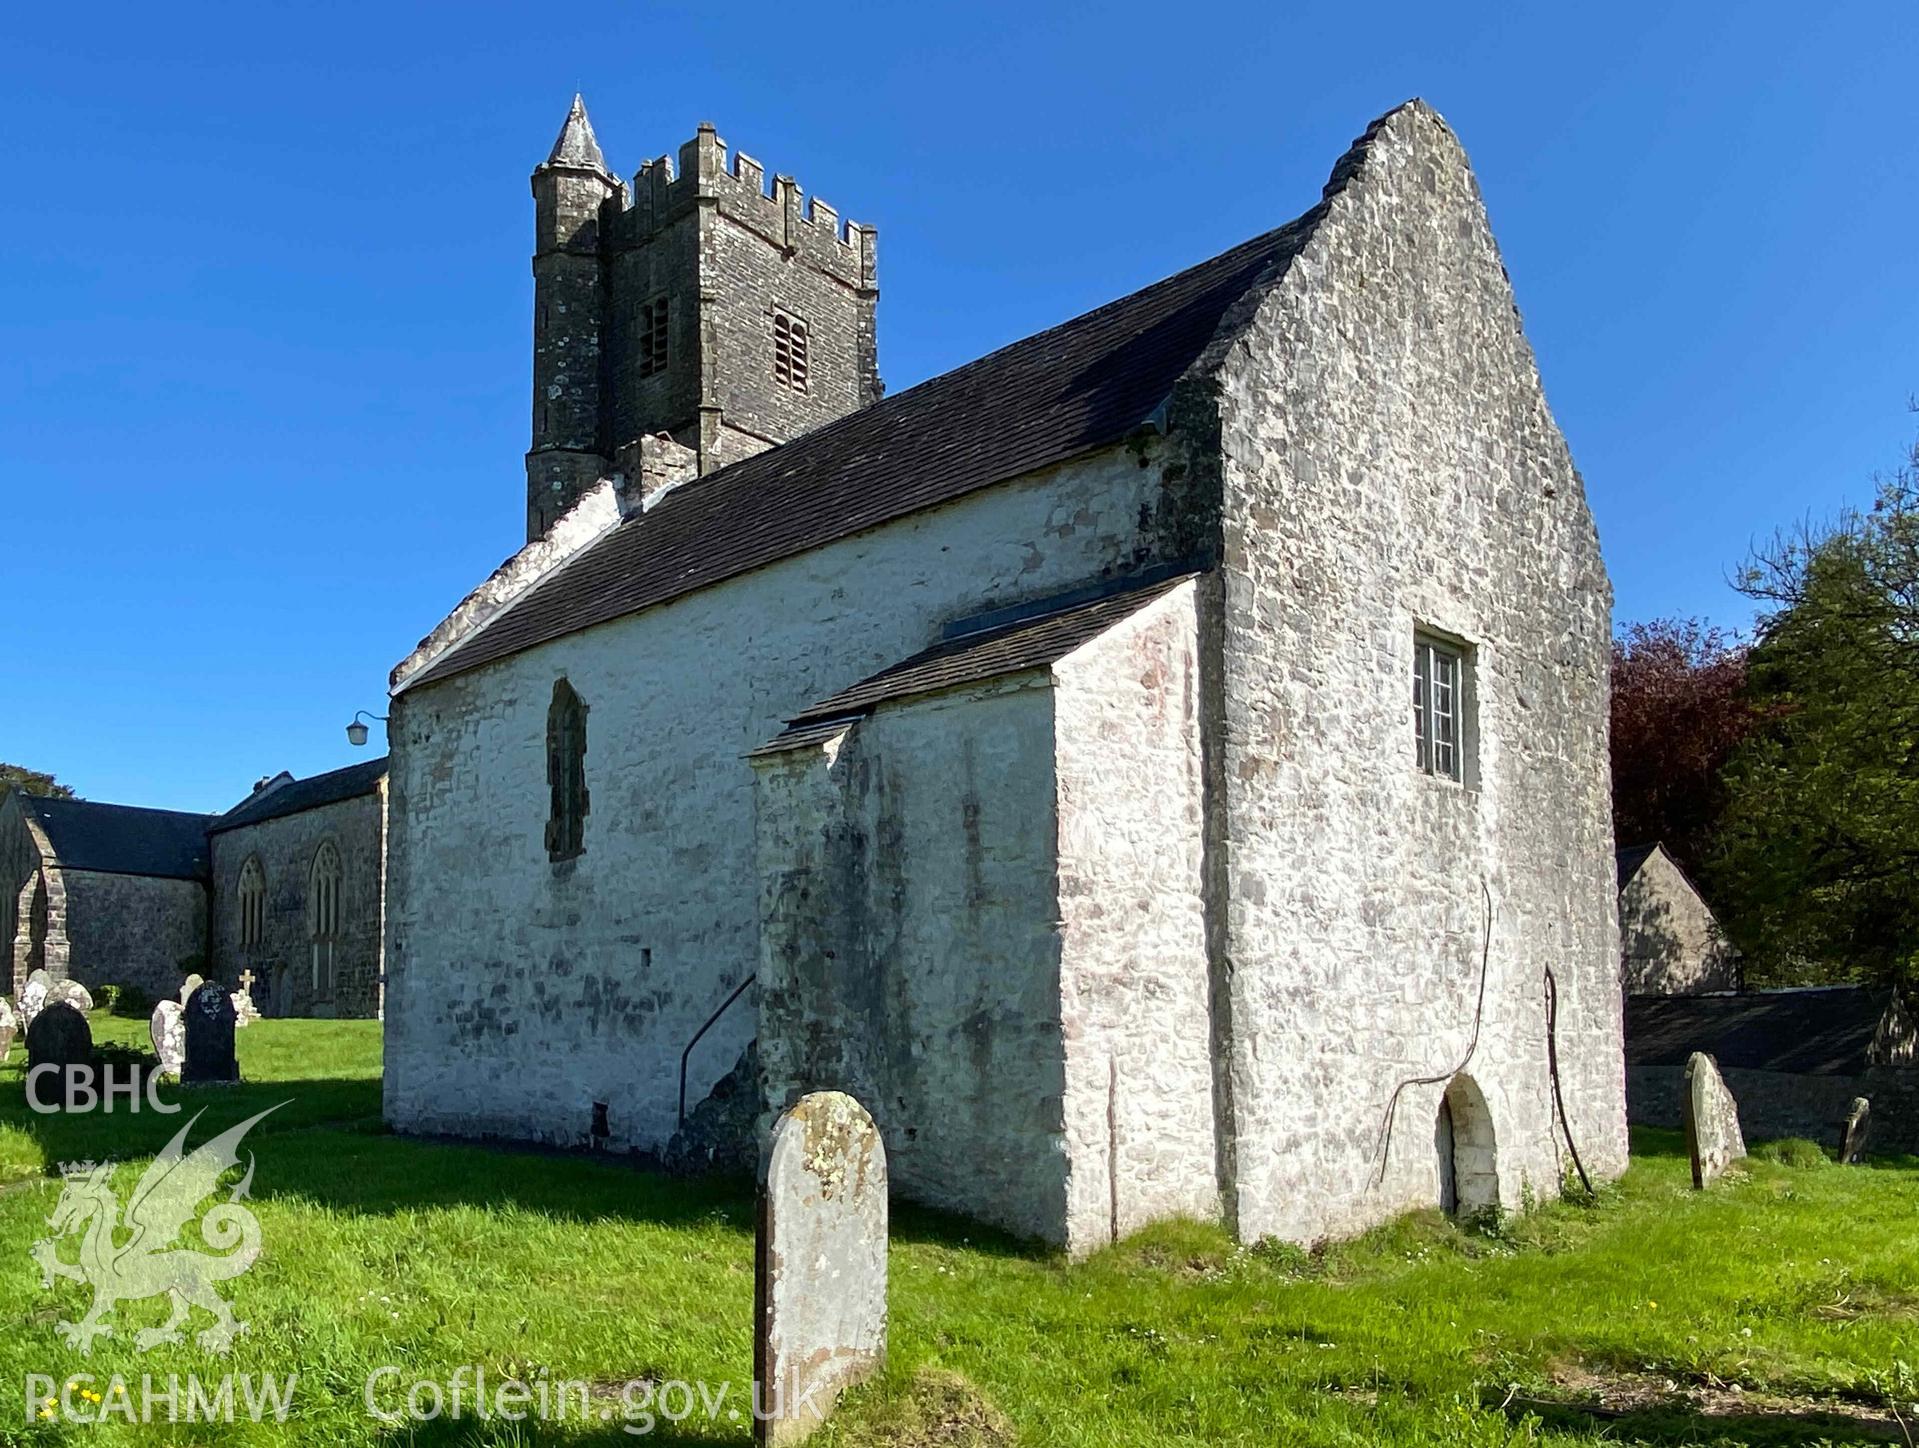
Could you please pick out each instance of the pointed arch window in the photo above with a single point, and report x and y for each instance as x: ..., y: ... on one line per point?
x: 323, y: 916
x: 566, y: 773
x: 253, y: 904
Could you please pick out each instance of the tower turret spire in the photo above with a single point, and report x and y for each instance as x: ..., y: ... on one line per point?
x: 577, y: 146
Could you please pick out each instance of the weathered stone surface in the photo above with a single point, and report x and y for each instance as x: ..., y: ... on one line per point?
x: 9, y: 1027
x: 73, y: 993
x: 33, y: 997
x: 820, y: 1265
x: 1713, y: 1138
x: 210, y: 1059
x: 169, y: 1031
x: 1669, y: 941
x: 245, y: 1013
x: 192, y: 983
x: 59, y: 1036
x: 1858, y: 1129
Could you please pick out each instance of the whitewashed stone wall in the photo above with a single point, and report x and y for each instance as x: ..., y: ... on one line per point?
x: 1139, y: 1128
x: 1389, y: 463
x: 519, y: 992
x: 1670, y: 943
x: 909, y: 951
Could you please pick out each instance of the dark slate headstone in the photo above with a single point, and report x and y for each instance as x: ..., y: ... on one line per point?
x: 210, y: 1059
x: 1852, y: 1141
x: 820, y: 1266
x: 59, y: 1037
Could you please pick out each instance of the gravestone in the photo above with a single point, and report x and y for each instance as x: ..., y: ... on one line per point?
x: 1713, y: 1138
x: 9, y: 1026
x: 209, y: 1039
x: 33, y: 995
x: 188, y: 986
x: 59, y: 1037
x: 820, y: 1264
x: 169, y: 1028
x: 245, y: 1012
x: 1852, y: 1141
x: 73, y: 993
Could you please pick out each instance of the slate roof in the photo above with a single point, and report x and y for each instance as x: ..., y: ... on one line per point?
x: 304, y: 794
x: 1031, y: 642
x: 1082, y: 385
x: 123, y: 839
x: 1827, y: 1031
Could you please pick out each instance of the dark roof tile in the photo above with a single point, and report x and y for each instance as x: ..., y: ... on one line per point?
x: 1819, y: 1032
x: 305, y: 794
x: 123, y: 839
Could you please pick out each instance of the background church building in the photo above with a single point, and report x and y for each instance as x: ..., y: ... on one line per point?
x: 1159, y: 767
x: 286, y: 889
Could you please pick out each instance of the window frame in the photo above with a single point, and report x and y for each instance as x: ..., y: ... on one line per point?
x: 1443, y: 699
x: 792, y: 354
x: 655, y: 337
x: 252, y: 892
x: 326, y: 884
x: 569, y: 799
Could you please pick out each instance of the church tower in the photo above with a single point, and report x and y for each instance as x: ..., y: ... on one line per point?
x: 697, y: 302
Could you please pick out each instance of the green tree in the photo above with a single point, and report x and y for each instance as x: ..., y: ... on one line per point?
x: 32, y: 781
x: 1819, y: 853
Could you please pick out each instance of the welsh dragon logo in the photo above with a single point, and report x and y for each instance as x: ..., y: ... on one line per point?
x: 163, y: 1203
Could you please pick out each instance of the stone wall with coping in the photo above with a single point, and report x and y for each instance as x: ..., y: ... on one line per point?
x: 282, y: 964
x: 1390, y: 465
x: 523, y: 992
x: 1134, y: 1013
x: 1775, y: 1104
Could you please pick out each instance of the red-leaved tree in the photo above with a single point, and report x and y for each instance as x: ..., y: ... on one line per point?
x: 1679, y: 708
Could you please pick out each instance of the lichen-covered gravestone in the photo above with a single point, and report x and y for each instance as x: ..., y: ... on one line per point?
x: 9, y: 1026
x: 1852, y: 1141
x: 820, y: 1266
x: 170, y: 1036
x: 33, y: 995
x: 73, y: 993
x: 1713, y: 1138
x: 209, y: 1021
x: 188, y: 986
x: 59, y: 1037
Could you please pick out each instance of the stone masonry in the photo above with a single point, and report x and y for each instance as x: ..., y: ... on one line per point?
x: 1058, y: 783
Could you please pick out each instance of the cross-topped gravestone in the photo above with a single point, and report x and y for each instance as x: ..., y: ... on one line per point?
x: 59, y: 1037
x: 1713, y: 1138
x: 209, y: 1031
x: 820, y: 1264
x: 9, y: 1026
x: 169, y: 1028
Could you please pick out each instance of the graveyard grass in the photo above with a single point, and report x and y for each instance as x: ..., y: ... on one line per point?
x: 1749, y: 1314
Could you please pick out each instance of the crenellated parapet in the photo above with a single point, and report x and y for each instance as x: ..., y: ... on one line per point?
x: 663, y: 192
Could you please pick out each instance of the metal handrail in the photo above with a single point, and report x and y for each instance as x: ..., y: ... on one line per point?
x: 686, y: 1055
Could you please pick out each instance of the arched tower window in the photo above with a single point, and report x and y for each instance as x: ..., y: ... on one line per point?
x: 253, y: 904
x: 566, y: 773
x: 323, y: 916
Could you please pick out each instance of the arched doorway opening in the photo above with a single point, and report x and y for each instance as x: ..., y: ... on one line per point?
x: 1466, y: 1152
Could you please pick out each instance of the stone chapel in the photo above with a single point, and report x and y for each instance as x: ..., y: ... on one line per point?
x: 1159, y: 767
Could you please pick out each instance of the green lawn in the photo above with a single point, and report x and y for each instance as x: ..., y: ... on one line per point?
x: 1745, y: 1315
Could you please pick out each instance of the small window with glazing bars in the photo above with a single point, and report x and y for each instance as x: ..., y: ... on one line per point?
x: 1439, y: 707
x: 789, y: 351
x: 653, y: 337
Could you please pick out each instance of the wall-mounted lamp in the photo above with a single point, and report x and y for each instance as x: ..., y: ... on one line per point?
x: 356, y: 731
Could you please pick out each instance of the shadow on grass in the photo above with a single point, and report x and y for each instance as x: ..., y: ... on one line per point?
x: 1678, y: 1424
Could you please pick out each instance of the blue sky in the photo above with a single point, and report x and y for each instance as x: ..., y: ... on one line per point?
x: 265, y: 306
